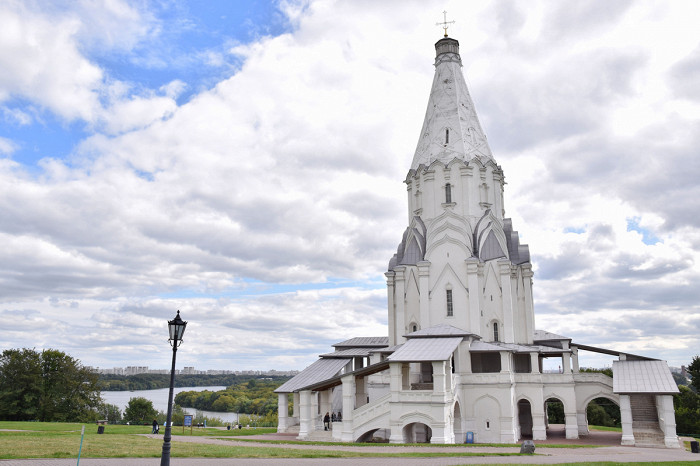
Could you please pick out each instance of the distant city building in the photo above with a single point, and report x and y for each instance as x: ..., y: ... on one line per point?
x: 188, y: 370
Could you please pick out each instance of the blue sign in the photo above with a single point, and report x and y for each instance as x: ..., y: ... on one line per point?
x: 470, y: 437
x: 188, y: 420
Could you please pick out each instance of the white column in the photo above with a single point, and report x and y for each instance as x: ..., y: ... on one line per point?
x: 439, y: 384
x: 473, y: 284
x: 566, y: 363
x: 325, y: 402
x: 424, y: 290
x: 360, y: 391
x: 348, y: 408
x: 305, y: 419
x: 395, y: 380
x: 667, y: 420
x: 282, y: 412
x: 507, y: 300
x: 574, y: 359
x: 535, y: 363
x: 296, y: 404
x: 571, y: 425
x: 626, y: 420
x: 505, y: 362
x: 582, y: 421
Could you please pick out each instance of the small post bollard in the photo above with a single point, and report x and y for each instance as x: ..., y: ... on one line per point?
x: 528, y: 447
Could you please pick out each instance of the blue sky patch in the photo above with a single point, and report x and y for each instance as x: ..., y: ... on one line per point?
x: 647, y: 236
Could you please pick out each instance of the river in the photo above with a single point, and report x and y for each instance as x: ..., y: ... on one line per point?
x: 159, y: 397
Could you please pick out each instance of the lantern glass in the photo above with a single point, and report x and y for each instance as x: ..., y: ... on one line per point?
x: 176, y: 327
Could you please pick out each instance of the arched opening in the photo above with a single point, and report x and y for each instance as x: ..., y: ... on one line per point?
x: 495, y: 331
x: 374, y: 436
x: 555, y: 420
x: 448, y: 193
x: 525, y: 419
x: 457, y: 424
x: 603, y: 412
x: 417, y: 432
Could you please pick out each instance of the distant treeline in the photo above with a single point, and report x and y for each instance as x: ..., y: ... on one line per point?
x: 251, y: 397
x: 111, y: 382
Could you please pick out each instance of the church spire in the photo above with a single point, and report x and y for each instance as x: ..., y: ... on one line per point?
x: 451, y: 128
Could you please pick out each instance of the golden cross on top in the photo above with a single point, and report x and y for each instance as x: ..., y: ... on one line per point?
x: 445, y: 24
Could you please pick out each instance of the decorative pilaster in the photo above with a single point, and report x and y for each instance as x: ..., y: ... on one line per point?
x: 400, y: 303
x: 529, y: 305
x: 473, y: 285
x: 424, y: 290
x: 508, y: 329
x: 390, y: 292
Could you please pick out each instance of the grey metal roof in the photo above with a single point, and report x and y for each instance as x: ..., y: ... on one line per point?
x: 371, y: 342
x: 482, y: 346
x: 388, y: 349
x: 643, y: 377
x: 442, y: 330
x: 348, y: 353
x: 543, y: 335
x: 426, y: 349
x: 317, y: 372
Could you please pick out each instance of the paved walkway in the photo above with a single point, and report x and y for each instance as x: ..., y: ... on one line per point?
x: 544, y: 455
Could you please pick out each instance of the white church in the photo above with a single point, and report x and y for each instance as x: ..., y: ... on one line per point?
x: 463, y: 354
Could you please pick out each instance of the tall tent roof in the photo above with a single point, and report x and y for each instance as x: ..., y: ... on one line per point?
x: 451, y: 128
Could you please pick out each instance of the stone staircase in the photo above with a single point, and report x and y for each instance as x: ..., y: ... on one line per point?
x: 645, y: 422
x: 320, y: 435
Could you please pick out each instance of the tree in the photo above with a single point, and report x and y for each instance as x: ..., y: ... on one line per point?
x: 70, y: 391
x: 687, y: 406
x: 140, y: 411
x: 46, y: 386
x: 110, y: 412
x: 694, y: 372
x: 20, y: 384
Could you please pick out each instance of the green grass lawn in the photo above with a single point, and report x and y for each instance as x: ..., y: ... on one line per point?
x: 62, y: 440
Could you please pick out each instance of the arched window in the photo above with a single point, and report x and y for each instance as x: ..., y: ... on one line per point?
x: 450, y: 311
x: 495, y: 331
x: 414, y: 328
x: 448, y: 193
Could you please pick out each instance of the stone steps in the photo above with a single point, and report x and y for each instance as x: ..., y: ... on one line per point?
x: 321, y: 436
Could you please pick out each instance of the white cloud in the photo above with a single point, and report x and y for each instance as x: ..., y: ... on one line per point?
x: 290, y: 171
x: 7, y: 147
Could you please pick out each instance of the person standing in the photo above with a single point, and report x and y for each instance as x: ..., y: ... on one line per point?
x: 155, y: 427
x: 327, y: 421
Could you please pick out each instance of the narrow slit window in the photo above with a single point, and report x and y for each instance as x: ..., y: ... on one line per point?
x: 495, y: 331
x: 448, y: 193
x: 450, y: 311
x: 447, y: 136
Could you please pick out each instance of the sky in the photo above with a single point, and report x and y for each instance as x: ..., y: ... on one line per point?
x: 243, y: 162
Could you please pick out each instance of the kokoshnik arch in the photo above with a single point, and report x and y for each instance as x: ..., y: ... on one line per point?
x: 463, y: 353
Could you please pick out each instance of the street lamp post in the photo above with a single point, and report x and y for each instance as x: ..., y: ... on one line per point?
x: 176, y: 328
